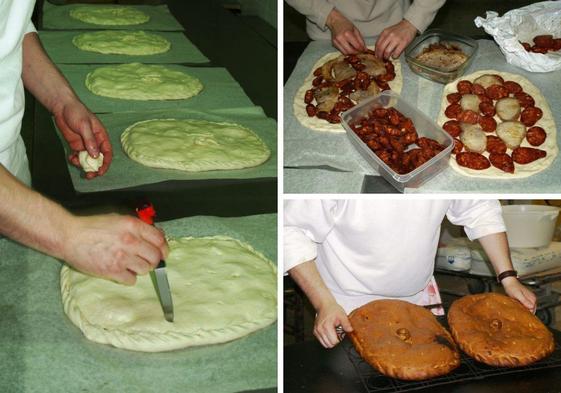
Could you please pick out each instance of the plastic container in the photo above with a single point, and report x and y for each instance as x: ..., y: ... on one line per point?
x: 425, y: 127
x: 466, y: 44
x: 530, y: 226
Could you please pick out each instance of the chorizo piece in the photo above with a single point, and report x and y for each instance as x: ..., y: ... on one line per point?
x: 512, y: 87
x: 453, y: 110
x: 544, y: 41
x: 484, y: 98
x: 468, y: 116
x: 487, y: 108
x: 309, y: 96
x: 502, y: 161
x: 311, y: 110
x: 464, y: 87
x: 317, y: 81
x: 454, y: 98
x: 525, y: 155
x: 496, y: 92
x: 495, y: 145
x: 477, y: 89
x: 472, y: 160
x: 487, y: 123
x: 380, y: 113
x: 530, y: 116
x: 536, y: 136
x: 458, y: 146
x: 427, y: 143
x: 524, y: 99
x: 453, y: 128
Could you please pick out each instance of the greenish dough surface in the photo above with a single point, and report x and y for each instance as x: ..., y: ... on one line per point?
x: 222, y: 289
x: 122, y: 42
x: 193, y: 145
x: 109, y: 15
x: 136, y: 81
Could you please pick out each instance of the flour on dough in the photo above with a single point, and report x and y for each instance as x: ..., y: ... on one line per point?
x: 88, y: 163
x: 122, y: 42
x: 222, y: 290
x: 136, y: 81
x: 109, y: 15
x: 193, y: 145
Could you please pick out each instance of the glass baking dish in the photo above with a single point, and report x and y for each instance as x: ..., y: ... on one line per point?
x: 424, y: 126
x: 466, y: 44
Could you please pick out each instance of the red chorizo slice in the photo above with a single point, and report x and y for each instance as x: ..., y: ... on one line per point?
x: 496, y: 92
x: 469, y: 117
x: 536, y: 136
x: 484, y: 98
x: 309, y: 96
x: 500, y: 78
x: 487, y: 108
x: 464, y: 87
x: 512, y: 87
x: 453, y: 110
x: 458, y: 146
x: 526, y: 46
x: 524, y: 99
x: 478, y: 89
x: 525, y: 155
x: 454, y: 98
x: 495, y: 145
x: 502, y: 161
x: 557, y: 44
x: 453, y: 128
x: 544, y: 41
x: 472, y: 160
x: 311, y: 110
x: 530, y: 116
x: 487, y: 123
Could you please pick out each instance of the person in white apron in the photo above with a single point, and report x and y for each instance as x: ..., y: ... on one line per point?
x: 346, y: 253
x: 346, y: 22
x: 110, y: 246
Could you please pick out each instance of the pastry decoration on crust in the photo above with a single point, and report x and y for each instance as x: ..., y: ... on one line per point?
x: 341, y: 83
x: 402, y: 340
x: 499, y: 331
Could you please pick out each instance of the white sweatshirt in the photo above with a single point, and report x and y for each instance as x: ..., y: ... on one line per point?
x: 369, y: 16
x: 371, y: 249
x: 15, y: 22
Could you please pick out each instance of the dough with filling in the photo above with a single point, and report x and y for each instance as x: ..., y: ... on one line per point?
x: 144, y: 82
x: 109, y: 15
x: 193, y: 145
x: 122, y: 42
x: 222, y: 289
x: 88, y: 163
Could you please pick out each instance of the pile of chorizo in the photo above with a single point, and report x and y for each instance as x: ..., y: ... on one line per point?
x: 394, y: 139
x: 543, y: 44
x: 495, y: 116
x: 341, y: 83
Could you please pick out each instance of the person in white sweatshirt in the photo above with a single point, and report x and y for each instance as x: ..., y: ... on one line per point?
x: 346, y: 253
x: 348, y: 22
x: 109, y: 246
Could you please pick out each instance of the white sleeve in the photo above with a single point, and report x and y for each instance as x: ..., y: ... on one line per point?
x: 306, y: 223
x: 315, y: 10
x: 478, y: 217
x: 30, y: 28
x: 422, y: 13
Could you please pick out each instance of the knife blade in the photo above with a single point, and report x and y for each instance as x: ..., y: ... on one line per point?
x: 146, y: 212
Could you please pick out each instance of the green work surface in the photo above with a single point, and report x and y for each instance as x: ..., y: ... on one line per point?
x: 125, y: 173
x: 61, y: 50
x: 220, y: 90
x: 56, y: 17
x: 42, y: 351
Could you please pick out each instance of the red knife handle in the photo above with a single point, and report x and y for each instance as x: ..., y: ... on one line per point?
x: 146, y: 212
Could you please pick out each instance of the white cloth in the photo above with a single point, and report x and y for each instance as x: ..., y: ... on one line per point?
x: 15, y: 22
x: 371, y: 249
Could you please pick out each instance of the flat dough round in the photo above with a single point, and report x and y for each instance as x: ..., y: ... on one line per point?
x: 402, y: 340
x: 122, y: 42
x: 144, y: 82
x: 222, y: 289
x: 322, y: 125
x: 193, y: 145
x: 546, y: 122
x: 498, y: 330
x: 109, y: 15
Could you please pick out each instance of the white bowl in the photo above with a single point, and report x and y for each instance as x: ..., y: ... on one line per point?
x: 530, y: 226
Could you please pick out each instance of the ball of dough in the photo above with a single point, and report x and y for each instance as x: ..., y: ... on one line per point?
x: 88, y: 163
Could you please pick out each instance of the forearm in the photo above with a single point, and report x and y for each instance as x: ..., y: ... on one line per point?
x: 496, y: 248
x: 42, y: 78
x: 29, y: 218
x: 309, y: 280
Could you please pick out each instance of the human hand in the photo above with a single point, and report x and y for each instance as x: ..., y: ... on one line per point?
x: 394, y: 39
x: 327, y: 319
x: 516, y: 290
x: 344, y: 35
x: 83, y: 131
x: 114, y: 247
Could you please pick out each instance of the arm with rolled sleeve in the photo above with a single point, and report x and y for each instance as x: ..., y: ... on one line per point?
x: 422, y: 13
x: 316, y: 11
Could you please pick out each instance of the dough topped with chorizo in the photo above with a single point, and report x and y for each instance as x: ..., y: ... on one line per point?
x: 502, y: 126
x: 403, y: 340
x: 338, y: 82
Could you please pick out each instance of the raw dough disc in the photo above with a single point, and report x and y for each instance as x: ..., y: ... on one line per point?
x: 222, y: 290
x: 122, y: 42
x: 136, y: 81
x: 109, y: 15
x: 193, y: 145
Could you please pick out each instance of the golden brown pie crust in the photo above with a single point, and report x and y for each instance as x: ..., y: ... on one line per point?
x: 498, y: 330
x: 402, y: 340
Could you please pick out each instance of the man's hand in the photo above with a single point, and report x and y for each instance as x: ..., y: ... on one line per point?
x: 394, y: 39
x: 83, y: 131
x: 327, y: 319
x: 516, y: 290
x: 344, y: 35
x: 113, y: 247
